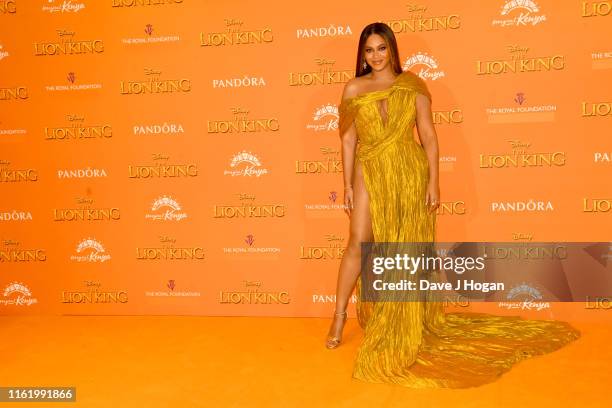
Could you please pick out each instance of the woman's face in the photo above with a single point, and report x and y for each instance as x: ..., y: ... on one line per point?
x: 376, y: 52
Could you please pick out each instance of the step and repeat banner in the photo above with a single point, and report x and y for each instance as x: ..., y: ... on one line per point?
x: 182, y: 156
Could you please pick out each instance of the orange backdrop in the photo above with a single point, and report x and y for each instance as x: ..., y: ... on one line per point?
x: 182, y: 157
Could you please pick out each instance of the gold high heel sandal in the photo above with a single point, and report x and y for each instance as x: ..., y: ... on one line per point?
x: 334, y: 341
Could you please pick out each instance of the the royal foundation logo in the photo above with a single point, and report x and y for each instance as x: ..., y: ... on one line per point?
x: 169, y: 252
x: 325, y: 75
x: 250, y: 245
x: 166, y: 208
x: 90, y: 250
x: 601, y: 59
x: 245, y: 81
x: 424, y: 65
x: 235, y: 34
x: 331, y: 163
x: 245, y: 164
x: 519, y: 62
x: 332, y: 248
x: 62, y: 6
x: 331, y: 30
x: 595, y: 109
x: 150, y: 35
x: 14, y: 93
x: 68, y: 45
x: 86, y: 212
x: 94, y: 293
x: 163, y: 168
x: 17, y: 294
x: 72, y: 84
x: 8, y: 6
x: 242, y: 123
x: 10, y: 251
x: 596, y: 8
x: 15, y: 215
x: 78, y: 130
x: 252, y: 294
x: 520, y: 156
x: 164, y: 129
x: 249, y: 207
x: 11, y: 175
x: 171, y: 289
x: 420, y: 20
x: 330, y: 203
x: 518, y: 13
x: 325, y: 119
x: 521, y: 110
x: 154, y: 84
x: 597, y: 205
x: 143, y: 3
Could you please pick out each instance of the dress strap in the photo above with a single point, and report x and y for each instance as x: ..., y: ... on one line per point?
x: 411, y: 81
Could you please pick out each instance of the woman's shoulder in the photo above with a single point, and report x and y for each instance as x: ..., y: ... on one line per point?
x: 352, y: 88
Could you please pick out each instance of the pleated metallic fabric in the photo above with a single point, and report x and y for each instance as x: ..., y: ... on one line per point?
x: 417, y: 344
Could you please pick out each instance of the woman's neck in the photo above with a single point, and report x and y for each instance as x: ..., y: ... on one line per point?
x: 383, y: 76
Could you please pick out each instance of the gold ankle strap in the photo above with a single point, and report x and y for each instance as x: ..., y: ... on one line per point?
x: 341, y: 313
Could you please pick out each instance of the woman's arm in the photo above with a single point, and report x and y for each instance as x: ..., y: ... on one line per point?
x: 429, y: 141
x: 349, y: 143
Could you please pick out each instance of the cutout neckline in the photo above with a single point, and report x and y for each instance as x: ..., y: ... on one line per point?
x: 375, y: 91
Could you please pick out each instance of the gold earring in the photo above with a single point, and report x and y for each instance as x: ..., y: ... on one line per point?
x: 365, y: 66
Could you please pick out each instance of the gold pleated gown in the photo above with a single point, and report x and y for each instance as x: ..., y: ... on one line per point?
x: 417, y: 344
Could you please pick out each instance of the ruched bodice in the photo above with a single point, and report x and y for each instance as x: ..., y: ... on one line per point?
x: 375, y: 131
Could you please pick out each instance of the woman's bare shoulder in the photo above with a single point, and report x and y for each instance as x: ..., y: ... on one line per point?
x: 353, y: 88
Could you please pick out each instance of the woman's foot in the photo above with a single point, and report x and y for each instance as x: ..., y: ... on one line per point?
x: 334, y: 337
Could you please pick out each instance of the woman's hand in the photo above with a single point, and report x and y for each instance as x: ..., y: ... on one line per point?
x: 348, y: 200
x: 432, y: 197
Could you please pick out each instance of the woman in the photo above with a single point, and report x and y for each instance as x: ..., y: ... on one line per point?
x: 391, y: 193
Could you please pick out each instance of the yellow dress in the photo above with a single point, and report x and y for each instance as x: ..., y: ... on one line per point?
x: 417, y: 344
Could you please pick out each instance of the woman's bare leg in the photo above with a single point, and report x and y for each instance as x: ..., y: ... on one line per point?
x: 350, y: 266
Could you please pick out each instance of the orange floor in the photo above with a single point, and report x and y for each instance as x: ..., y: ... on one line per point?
x: 179, y: 361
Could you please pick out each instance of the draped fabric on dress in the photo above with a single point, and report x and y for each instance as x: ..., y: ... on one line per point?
x: 417, y: 344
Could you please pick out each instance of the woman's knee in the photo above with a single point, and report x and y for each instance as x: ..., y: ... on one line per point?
x: 353, y: 247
